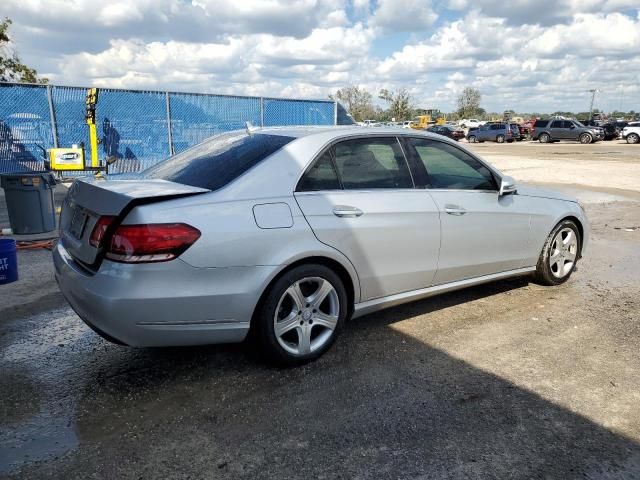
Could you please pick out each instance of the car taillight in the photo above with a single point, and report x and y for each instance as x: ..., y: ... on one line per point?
x: 158, y: 242
x: 99, y: 230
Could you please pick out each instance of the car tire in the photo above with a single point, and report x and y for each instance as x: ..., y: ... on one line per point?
x: 560, y: 254
x: 472, y: 139
x: 585, y: 138
x: 500, y: 139
x: 633, y: 138
x: 307, y: 328
x: 544, y: 138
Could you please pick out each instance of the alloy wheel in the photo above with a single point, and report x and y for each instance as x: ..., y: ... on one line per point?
x: 306, y: 316
x: 564, y: 250
x: 585, y: 138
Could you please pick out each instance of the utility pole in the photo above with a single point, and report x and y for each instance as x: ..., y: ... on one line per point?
x: 593, y: 92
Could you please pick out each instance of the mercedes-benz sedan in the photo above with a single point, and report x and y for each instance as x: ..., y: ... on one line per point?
x: 290, y: 231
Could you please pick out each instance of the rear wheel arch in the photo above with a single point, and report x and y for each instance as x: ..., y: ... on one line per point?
x: 330, y: 263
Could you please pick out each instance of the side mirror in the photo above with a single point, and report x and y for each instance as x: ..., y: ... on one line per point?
x: 572, y: 127
x: 507, y: 185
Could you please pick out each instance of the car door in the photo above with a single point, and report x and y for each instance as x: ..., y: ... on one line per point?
x: 557, y: 130
x: 359, y: 198
x: 483, y: 132
x: 571, y: 130
x: 481, y: 232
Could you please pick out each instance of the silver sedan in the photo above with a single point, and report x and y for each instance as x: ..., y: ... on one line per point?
x: 288, y: 232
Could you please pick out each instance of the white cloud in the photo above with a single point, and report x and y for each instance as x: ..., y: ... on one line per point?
x: 540, y: 55
x: 541, y: 12
x: 411, y: 16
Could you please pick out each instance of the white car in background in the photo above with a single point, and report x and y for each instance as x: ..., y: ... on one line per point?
x: 631, y: 133
x: 471, y: 123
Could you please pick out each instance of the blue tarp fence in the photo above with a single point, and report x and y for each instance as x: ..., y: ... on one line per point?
x: 138, y: 128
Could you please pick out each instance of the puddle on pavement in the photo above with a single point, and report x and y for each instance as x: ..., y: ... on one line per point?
x: 50, y: 432
x: 47, y: 435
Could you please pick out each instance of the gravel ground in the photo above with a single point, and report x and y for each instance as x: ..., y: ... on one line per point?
x: 506, y: 380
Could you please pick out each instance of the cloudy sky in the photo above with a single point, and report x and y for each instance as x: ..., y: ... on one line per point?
x: 529, y: 55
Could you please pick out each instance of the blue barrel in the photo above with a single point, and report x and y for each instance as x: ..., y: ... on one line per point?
x: 8, y: 261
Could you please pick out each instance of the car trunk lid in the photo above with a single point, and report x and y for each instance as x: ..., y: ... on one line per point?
x: 88, y: 200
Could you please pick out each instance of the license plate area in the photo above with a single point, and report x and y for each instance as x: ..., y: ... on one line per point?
x: 78, y: 223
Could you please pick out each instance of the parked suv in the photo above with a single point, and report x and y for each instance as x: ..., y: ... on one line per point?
x: 555, y: 130
x: 631, y: 133
x: 493, y: 132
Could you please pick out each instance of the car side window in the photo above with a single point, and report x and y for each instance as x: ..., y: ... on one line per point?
x: 372, y: 163
x: 568, y: 124
x: 321, y: 176
x: 449, y: 167
x: 556, y: 124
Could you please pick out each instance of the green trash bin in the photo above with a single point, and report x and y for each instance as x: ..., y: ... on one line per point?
x: 29, y: 198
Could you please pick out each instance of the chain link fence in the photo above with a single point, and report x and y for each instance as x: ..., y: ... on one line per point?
x: 137, y: 128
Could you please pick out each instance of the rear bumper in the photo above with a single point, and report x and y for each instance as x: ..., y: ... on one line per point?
x: 163, y: 304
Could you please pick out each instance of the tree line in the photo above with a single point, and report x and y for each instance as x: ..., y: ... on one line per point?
x: 401, y: 106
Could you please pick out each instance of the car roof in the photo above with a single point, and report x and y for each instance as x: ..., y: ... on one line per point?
x: 334, y: 131
x: 280, y: 173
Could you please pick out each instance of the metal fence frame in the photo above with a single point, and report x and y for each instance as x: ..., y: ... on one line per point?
x: 57, y: 111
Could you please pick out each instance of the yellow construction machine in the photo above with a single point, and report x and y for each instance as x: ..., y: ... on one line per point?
x: 65, y: 159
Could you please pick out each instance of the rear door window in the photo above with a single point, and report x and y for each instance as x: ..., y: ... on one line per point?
x: 219, y: 160
x: 372, y: 163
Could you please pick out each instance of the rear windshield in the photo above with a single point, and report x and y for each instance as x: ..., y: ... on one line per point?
x: 219, y: 160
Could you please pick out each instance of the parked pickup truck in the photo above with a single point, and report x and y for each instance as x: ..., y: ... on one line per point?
x: 554, y: 130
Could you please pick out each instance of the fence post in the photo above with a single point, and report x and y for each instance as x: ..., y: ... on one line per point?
x: 170, y: 136
x: 52, y: 117
x: 262, y: 111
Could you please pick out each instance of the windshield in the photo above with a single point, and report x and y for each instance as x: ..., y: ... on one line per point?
x: 578, y: 124
x: 219, y: 160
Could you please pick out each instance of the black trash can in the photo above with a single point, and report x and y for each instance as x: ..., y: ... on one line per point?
x: 29, y: 198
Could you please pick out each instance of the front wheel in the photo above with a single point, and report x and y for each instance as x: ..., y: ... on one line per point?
x: 586, y: 138
x: 472, y: 139
x: 500, y: 139
x: 633, y: 138
x: 559, y: 255
x: 301, y: 315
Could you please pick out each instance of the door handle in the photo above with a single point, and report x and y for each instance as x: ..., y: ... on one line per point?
x: 454, y: 210
x: 346, y: 211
